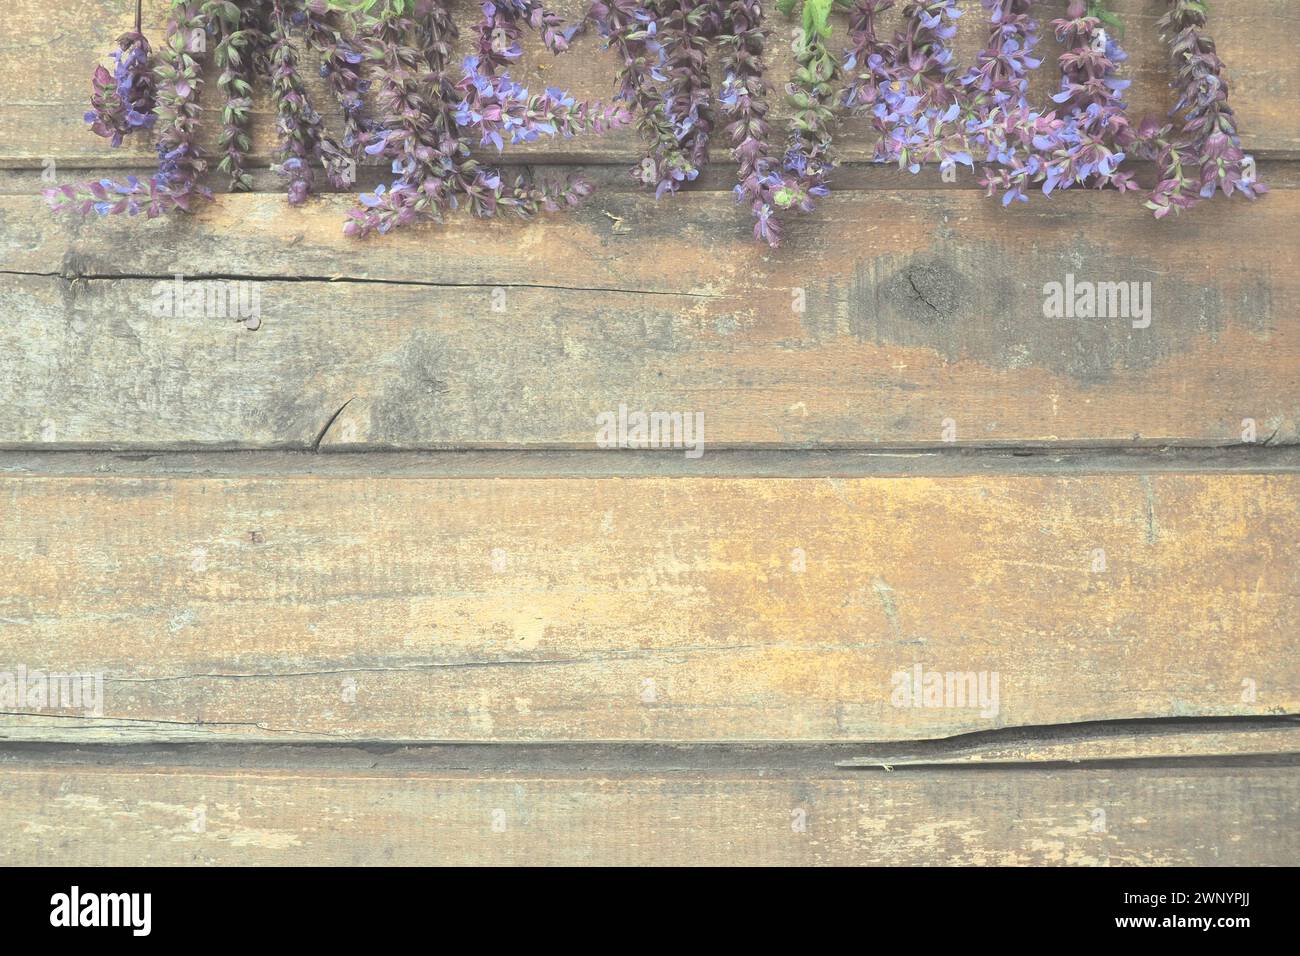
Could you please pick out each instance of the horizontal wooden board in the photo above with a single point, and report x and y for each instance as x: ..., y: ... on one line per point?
x: 46, y: 77
x: 124, y: 815
x: 695, y: 609
x: 919, y: 308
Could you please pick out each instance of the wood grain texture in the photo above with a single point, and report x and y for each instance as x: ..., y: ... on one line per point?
x: 682, y: 649
x: 644, y: 609
x: 48, y: 63
x: 182, y: 816
x: 920, y: 307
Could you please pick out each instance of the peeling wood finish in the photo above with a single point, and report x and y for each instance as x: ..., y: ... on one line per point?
x: 182, y: 816
x: 936, y: 316
x: 645, y: 609
x: 50, y: 77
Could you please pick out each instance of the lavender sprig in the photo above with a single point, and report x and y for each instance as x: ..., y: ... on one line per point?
x: 990, y: 115
x: 181, y: 163
x: 924, y: 84
x: 499, y: 32
x: 123, y: 101
x: 299, y: 125
x: 427, y: 121
x: 497, y: 108
x: 416, y: 137
x: 341, y: 64
x: 685, y: 28
x: 870, y: 64
x: 744, y: 102
x: 1000, y: 76
x: 498, y: 35
x: 1086, y: 145
x: 1091, y: 145
x: 1205, y: 155
x: 809, y: 156
x: 238, y: 37
x: 555, y: 33
x: 632, y: 31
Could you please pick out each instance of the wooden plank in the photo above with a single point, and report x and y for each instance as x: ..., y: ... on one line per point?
x: 47, y: 80
x: 919, y: 308
x: 125, y: 815
x: 665, y: 609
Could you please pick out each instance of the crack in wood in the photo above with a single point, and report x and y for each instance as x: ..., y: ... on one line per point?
x: 70, y: 278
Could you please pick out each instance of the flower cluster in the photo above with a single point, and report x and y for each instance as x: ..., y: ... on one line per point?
x: 427, y: 112
x: 500, y: 109
x: 632, y: 31
x: 743, y: 98
x: 239, y: 37
x: 809, y: 157
x: 299, y: 126
x: 1205, y: 155
x: 181, y: 161
x: 985, y: 115
x: 870, y: 68
x: 687, y: 26
x: 924, y: 83
x: 499, y: 33
x: 341, y: 64
x: 123, y: 100
x: 428, y: 116
x: 1082, y: 144
x: 408, y: 102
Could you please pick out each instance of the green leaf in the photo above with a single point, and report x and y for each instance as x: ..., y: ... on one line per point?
x: 817, y: 18
x: 1097, y: 8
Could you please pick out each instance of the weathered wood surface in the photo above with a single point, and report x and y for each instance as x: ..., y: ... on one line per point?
x: 920, y: 307
x: 45, y: 65
x: 107, y: 815
x: 644, y: 609
x: 636, y: 619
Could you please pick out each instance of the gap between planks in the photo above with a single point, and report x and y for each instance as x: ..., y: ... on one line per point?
x: 784, y: 462
x: 1247, y: 741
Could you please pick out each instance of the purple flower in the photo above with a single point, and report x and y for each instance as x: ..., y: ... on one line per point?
x: 633, y: 33
x: 124, y: 100
x: 809, y: 156
x: 1204, y: 156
